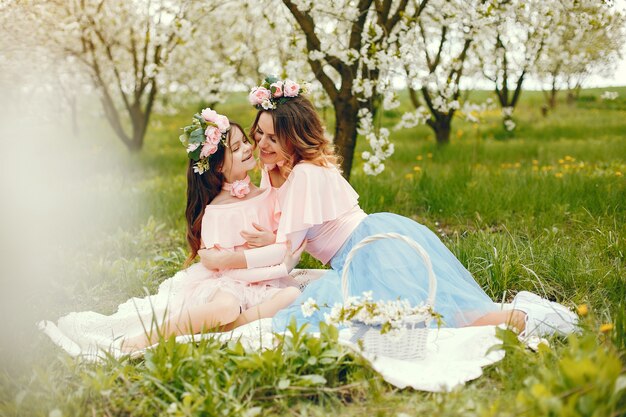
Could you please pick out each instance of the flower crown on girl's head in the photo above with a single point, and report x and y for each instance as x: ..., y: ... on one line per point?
x: 203, y: 136
x: 273, y: 91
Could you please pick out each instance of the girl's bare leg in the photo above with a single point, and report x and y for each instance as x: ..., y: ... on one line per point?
x: 223, y: 309
x: 266, y: 309
x: 514, y: 318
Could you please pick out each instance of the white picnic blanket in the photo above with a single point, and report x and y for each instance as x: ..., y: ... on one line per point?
x: 454, y: 356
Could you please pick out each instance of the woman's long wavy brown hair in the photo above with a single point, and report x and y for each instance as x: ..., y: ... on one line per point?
x: 201, y: 190
x: 300, y: 132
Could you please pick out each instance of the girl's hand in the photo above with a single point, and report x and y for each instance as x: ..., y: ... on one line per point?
x: 292, y: 258
x: 259, y: 237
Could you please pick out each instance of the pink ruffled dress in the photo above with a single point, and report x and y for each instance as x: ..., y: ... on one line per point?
x: 221, y: 225
x: 317, y: 204
x: 86, y: 333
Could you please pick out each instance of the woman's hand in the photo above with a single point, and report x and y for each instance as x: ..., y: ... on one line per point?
x: 211, y: 258
x: 258, y: 237
x: 217, y: 259
x: 292, y: 258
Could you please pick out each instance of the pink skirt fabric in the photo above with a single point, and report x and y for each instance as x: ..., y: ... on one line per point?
x: 201, y: 285
x: 89, y: 331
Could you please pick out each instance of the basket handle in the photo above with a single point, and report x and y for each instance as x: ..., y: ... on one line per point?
x: 432, y: 280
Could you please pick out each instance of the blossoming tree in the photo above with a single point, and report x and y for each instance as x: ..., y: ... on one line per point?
x: 509, y: 48
x: 125, y: 46
x: 436, y: 56
x: 585, y: 38
x: 347, y: 46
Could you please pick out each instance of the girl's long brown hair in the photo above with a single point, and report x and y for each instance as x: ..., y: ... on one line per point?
x: 300, y: 132
x: 201, y: 190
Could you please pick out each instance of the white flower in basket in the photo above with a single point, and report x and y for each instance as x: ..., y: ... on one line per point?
x: 391, y: 328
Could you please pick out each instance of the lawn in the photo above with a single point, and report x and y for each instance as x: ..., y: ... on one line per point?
x: 543, y: 209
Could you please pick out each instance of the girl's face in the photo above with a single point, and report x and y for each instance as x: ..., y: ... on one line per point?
x: 238, y: 158
x: 270, y: 150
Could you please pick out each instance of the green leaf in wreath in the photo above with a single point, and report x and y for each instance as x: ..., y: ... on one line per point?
x: 271, y: 79
x: 195, y: 155
x: 197, y: 136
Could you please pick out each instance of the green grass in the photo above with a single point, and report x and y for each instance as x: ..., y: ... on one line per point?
x: 543, y: 210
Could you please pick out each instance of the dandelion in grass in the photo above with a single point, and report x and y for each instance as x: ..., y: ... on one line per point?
x: 606, y: 327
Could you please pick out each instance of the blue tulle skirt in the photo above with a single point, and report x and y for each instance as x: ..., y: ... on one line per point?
x: 391, y: 269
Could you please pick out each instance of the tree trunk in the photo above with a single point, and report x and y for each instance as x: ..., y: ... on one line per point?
x: 346, y: 109
x: 552, y: 98
x: 441, y: 126
x: 553, y: 91
x: 443, y: 133
x: 139, y: 123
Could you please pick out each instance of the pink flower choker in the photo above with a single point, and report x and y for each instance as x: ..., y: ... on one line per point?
x: 202, y: 138
x: 273, y: 91
x: 239, y: 188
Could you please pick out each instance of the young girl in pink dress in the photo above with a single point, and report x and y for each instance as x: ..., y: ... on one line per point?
x: 220, y: 202
x: 318, y: 205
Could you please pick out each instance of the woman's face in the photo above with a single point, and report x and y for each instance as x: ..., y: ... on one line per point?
x: 238, y: 158
x: 270, y: 150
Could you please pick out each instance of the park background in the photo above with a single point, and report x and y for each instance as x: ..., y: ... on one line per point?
x: 528, y: 196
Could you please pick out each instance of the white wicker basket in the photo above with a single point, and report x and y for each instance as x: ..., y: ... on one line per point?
x: 409, y: 344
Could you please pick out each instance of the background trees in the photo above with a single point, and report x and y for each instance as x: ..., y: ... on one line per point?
x: 510, y: 47
x: 585, y: 38
x: 142, y: 53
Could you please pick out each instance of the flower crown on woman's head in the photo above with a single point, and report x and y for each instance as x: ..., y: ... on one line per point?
x: 273, y: 91
x: 203, y: 136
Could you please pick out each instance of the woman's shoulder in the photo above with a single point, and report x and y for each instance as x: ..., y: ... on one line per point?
x: 312, y: 179
x: 309, y: 167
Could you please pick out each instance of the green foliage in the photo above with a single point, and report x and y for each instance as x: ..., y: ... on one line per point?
x: 583, y: 380
x: 205, y: 378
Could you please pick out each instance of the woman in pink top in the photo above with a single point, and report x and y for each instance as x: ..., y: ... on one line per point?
x: 318, y: 205
x: 220, y: 201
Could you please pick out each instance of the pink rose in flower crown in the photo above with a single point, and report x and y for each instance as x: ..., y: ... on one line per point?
x: 208, y: 149
x: 209, y: 115
x: 213, y: 135
x: 240, y: 189
x: 278, y: 92
x: 192, y: 147
x: 222, y: 123
x: 258, y: 95
x: 291, y: 88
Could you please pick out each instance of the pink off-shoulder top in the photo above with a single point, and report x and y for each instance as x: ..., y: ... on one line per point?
x: 315, y: 203
x: 222, y: 223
